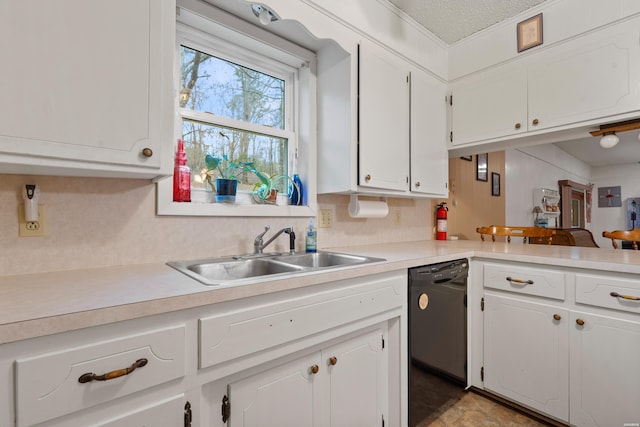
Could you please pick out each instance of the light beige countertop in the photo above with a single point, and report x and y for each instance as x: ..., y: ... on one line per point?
x: 33, y: 305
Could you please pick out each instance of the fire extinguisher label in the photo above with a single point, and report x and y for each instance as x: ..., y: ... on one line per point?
x: 441, y: 225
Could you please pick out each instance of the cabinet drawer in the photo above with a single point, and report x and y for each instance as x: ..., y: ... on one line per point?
x: 48, y: 385
x: 598, y: 290
x: 525, y: 280
x: 231, y: 335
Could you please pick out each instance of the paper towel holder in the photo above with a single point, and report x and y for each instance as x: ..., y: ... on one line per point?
x: 354, y: 205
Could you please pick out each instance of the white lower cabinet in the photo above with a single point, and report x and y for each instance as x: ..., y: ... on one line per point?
x: 565, y: 347
x: 526, y: 353
x: 53, y: 384
x: 321, y: 356
x: 341, y: 385
x: 605, y: 375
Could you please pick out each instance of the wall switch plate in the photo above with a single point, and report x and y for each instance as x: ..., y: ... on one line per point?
x: 31, y: 228
x: 325, y: 218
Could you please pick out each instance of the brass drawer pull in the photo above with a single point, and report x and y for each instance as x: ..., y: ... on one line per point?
x: 315, y: 369
x: 333, y: 360
x: 518, y: 126
x: 557, y: 317
x: 147, y: 152
x: 367, y: 178
x: 535, y: 121
x: 628, y: 297
x: 580, y: 322
x: 519, y: 281
x: 88, y: 377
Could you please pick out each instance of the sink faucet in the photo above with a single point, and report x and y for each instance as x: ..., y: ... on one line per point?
x: 258, y: 245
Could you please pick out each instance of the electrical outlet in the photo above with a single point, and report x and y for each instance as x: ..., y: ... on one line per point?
x: 325, y: 219
x: 31, y: 228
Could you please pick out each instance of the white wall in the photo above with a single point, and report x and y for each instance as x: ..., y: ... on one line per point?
x: 609, y: 219
x: 534, y: 167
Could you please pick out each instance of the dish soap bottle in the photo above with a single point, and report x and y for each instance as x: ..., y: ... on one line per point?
x: 181, y: 176
x: 311, y: 237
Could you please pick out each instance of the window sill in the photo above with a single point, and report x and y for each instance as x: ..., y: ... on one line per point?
x: 200, y: 207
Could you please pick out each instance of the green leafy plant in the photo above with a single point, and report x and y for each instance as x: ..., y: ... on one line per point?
x: 229, y: 169
x: 263, y: 190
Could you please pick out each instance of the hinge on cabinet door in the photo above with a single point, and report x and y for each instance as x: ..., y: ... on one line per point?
x: 451, y: 99
x: 187, y: 414
x: 482, y: 374
x: 226, y: 408
x: 382, y: 420
x: 383, y: 342
x: 451, y: 136
x: 482, y: 304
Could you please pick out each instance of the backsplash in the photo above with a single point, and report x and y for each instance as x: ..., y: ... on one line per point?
x: 96, y: 222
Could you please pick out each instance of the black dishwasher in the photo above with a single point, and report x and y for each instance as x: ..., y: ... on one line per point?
x: 437, y: 306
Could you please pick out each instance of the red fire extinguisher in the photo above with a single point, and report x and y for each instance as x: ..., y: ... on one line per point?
x: 441, y: 221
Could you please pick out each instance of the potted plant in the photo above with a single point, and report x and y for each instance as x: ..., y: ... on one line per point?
x: 265, y: 191
x: 227, y: 170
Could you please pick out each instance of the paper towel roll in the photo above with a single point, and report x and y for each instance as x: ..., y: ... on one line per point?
x: 367, y: 208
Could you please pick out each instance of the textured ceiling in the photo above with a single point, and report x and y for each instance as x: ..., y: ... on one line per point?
x: 453, y: 20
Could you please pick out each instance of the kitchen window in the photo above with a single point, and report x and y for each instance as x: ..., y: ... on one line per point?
x: 241, y: 98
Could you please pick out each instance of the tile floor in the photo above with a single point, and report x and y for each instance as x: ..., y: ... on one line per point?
x: 443, y: 404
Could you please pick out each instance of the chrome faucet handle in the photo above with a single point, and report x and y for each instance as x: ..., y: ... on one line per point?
x: 257, y: 243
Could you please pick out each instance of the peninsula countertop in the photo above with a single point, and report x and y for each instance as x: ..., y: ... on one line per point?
x: 33, y: 305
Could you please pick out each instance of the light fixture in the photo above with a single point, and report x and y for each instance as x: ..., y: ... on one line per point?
x: 608, y: 132
x: 264, y: 15
x: 609, y: 140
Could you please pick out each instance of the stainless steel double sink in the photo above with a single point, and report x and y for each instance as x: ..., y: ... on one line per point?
x: 229, y: 270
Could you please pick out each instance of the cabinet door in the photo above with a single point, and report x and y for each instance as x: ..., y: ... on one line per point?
x: 168, y: 413
x: 284, y: 396
x: 89, y: 85
x: 383, y: 125
x: 429, y: 155
x: 357, y: 381
x: 526, y: 353
x: 594, y: 76
x: 605, y: 382
x: 489, y: 105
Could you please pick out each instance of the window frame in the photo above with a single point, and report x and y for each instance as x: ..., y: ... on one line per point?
x: 210, y: 29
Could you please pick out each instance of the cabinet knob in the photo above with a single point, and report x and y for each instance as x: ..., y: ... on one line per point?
x: 557, y: 316
x: 333, y: 360
x: 580, y: 322
x: 418, y: 184
x: 147, y: 152
x: 518, y: 126
x: 367, y: 178
x: 535, y: 121
x: 315, y: 369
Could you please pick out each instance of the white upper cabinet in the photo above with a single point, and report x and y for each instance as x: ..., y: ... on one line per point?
x: 89, y: 87
x: 383, y: 125
x: 590, y: 79
x: 597, y: 75
x: 429, y: 156
x: 489, y: 105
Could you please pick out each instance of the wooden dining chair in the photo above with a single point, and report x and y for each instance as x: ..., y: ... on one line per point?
x: 632, y: 236
x: 542, y: 235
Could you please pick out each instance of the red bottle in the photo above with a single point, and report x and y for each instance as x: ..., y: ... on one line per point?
x: 181, y: 176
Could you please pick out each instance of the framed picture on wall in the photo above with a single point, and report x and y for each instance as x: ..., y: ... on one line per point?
x: 495, y: 184
x: 482, y: 167
x: 530, y: 33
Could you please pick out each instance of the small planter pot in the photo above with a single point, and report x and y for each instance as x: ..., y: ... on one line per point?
x: 226, y: 190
